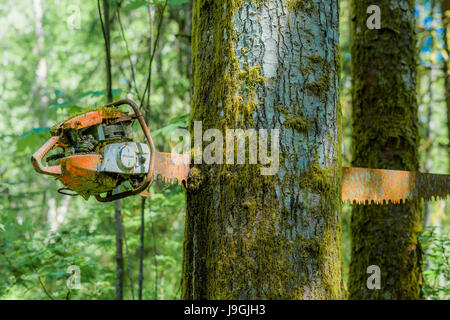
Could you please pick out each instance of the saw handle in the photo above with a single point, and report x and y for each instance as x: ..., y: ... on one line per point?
x: 148, y: 178
x: 41, y: 153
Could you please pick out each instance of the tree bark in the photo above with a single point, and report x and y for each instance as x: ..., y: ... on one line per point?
x: 109, y: 96
x: 119, y: 250
x: 266, y: 65
x: 385, y: 136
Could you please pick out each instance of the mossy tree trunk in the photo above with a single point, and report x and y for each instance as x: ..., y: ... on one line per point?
x: 266, y: 65
x: 385, y: 136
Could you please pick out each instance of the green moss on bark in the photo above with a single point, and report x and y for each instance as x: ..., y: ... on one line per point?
x: 300, y: 5
x: 244, y: 238
x: 385, y: 136
x: 320, y: 86
x: 295, y: 120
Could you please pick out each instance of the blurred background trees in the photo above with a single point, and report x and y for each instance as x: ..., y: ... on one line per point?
x: 52, y: 58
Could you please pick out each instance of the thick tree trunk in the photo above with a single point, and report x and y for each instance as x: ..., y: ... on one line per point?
x: 385, y: 136
x: 266, y: 65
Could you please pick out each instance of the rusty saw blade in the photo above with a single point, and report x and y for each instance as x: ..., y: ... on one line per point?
x: 171, y: 167
x: 359, y: 185
x: 362, y: 185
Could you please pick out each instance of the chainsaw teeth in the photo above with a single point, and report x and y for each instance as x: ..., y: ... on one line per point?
x: 159, y: 177
x: 386, y: 202
x: 380, y: 187
x: 172, y: 168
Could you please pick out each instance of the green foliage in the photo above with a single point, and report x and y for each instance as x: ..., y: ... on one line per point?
x: 174, y: 123
x: 42, y: 233
x: 135, y: 4
x: 437, y: 263
x: 35, y: 260
x: 43, y: 258
x: 32, y: 138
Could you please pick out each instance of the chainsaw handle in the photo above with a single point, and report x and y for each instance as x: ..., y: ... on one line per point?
x: 41, y: 153
x: 149, y: 176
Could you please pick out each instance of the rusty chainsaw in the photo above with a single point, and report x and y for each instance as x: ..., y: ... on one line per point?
x: 99, y: 154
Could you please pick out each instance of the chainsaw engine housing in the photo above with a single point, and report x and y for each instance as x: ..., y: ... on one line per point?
x: 127, y: 158
x: 97, y: 153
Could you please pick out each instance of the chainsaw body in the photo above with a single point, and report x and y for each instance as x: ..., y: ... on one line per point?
x: 98, y: 154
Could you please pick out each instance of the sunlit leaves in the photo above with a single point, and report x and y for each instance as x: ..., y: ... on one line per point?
x: 175, y: 123
x: 132, y: 5
x: 32, y: 138
x: 135, y: 4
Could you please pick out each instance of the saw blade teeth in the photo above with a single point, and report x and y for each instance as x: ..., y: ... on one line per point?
x: 380, y: 186
x: 385, y: 202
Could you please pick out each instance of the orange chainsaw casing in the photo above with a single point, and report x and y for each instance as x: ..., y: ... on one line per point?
x: 79, y: 173
x: 88, y: 119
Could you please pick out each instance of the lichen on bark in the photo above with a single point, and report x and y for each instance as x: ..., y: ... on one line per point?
x: 247, y: 235
x: 385, y: 136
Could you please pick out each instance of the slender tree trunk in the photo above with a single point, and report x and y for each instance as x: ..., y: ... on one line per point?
x: 266, y: 65
x: 39, y: 101
x: 445, y: 6
x: 385, y: 136
x: 119, y: 250
x: 117, y: 204
x: 147, y: 110
x: 109, y: 95
x: 429, y: 137
x: 141, y: 250
x: 38, y: 94
x: 185, y: 41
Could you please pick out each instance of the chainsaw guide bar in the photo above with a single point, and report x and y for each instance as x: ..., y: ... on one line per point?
x: 99, y: 154
x: 171, y: 167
